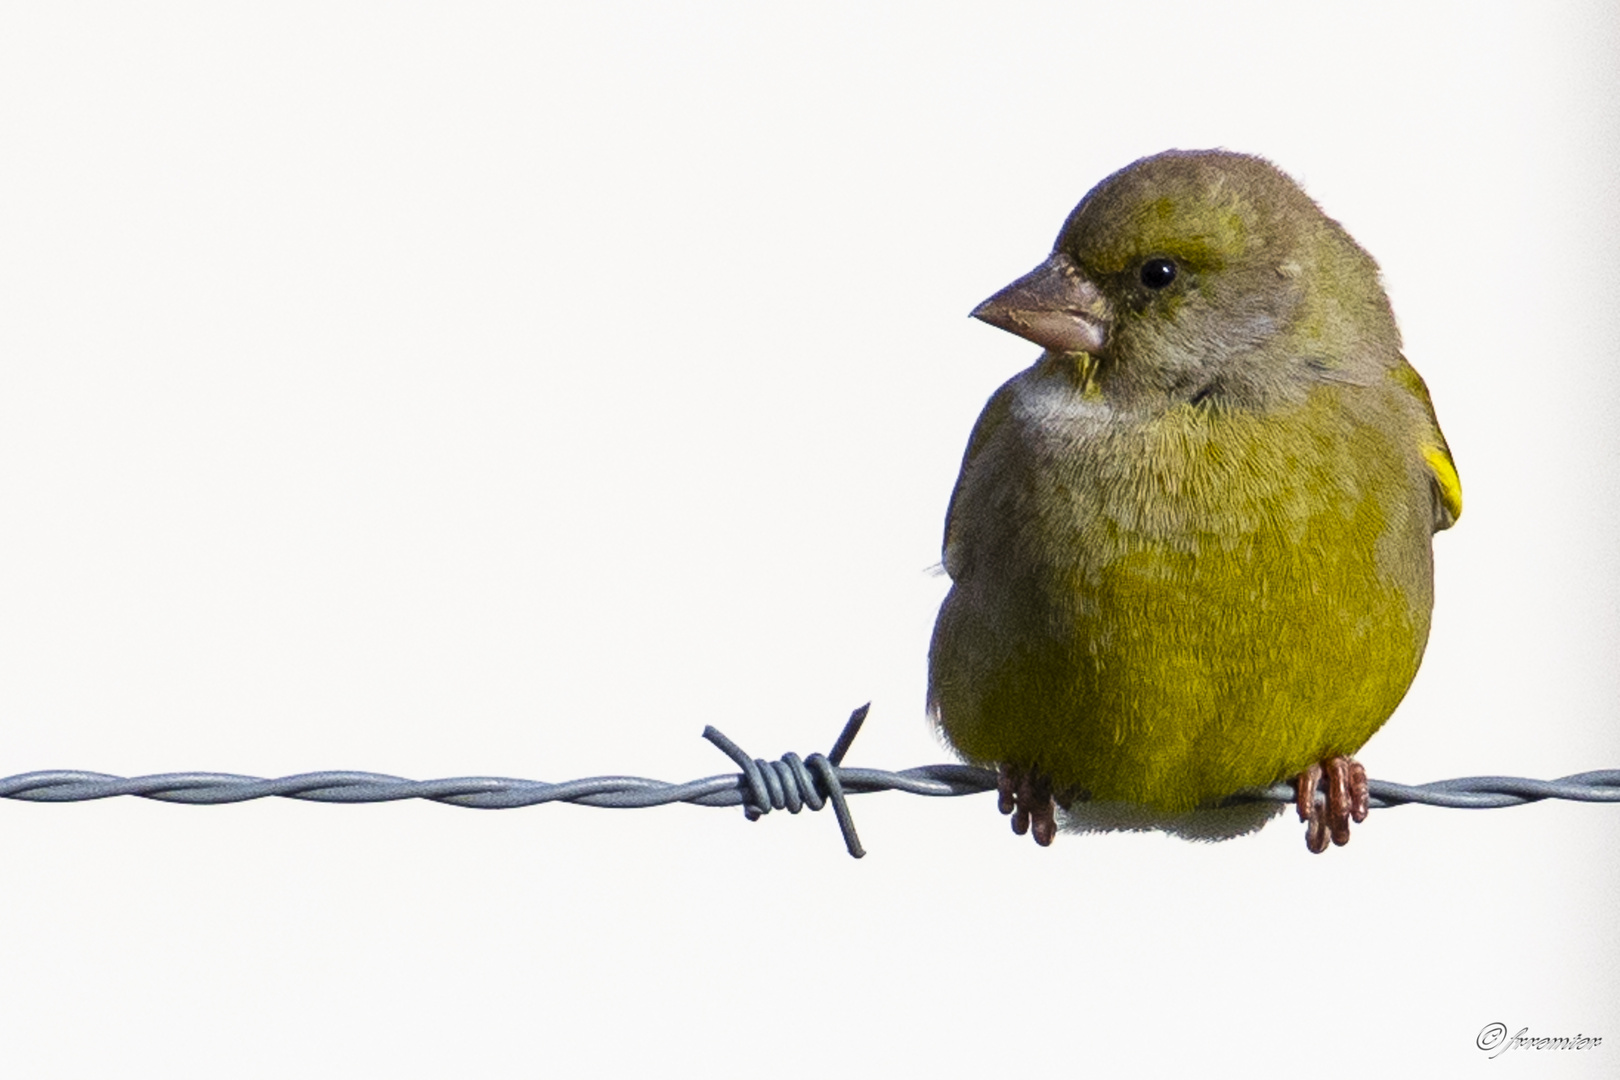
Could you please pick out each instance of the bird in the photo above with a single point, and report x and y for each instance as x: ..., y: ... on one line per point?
x: 1190, y: 547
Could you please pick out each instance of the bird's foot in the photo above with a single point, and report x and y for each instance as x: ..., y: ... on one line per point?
x: 1027, y: 795
x: 1346, y: 801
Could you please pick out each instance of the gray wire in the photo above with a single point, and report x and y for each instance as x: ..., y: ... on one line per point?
x: 790, y: 783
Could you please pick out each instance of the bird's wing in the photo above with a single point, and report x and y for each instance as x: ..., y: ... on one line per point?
x: 1436, y: 454
x: 995, y: 413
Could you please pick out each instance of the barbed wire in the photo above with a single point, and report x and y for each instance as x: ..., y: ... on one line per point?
x: 790, y: 783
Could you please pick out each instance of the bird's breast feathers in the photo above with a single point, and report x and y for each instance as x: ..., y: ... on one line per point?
x: 1068, y: 469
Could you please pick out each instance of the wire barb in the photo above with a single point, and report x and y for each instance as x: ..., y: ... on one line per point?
x: 790, y: 783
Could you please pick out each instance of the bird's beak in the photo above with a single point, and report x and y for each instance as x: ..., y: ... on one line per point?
x: 1054, y: 305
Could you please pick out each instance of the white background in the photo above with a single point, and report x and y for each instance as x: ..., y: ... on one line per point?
x: 514, y: 389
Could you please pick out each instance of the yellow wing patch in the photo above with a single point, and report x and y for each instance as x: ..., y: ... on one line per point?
x: 1447, y: 485
x: 1436, y: 454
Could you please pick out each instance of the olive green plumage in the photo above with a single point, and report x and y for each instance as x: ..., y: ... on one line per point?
x: 1190, y: 546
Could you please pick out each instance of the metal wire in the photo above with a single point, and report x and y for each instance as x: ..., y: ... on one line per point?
x: 790, y: 783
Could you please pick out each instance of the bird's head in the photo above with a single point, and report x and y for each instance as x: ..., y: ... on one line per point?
x: 1193, y: 274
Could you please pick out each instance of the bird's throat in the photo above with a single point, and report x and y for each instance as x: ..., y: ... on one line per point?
x: 1082, y: 367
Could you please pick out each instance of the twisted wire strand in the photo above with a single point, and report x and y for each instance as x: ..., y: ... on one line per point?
x: 790, y: 783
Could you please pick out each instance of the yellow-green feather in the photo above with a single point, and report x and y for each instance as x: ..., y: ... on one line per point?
x: 1229, y: 603
x: 1436, y: 454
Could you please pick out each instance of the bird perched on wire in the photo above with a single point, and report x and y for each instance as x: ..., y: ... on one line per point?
x: 1190, y: 546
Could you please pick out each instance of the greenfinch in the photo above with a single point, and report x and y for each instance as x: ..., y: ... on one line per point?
x: 1190, y: 547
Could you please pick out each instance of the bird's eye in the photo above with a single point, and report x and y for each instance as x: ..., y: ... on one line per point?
x: 1157, y: 273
